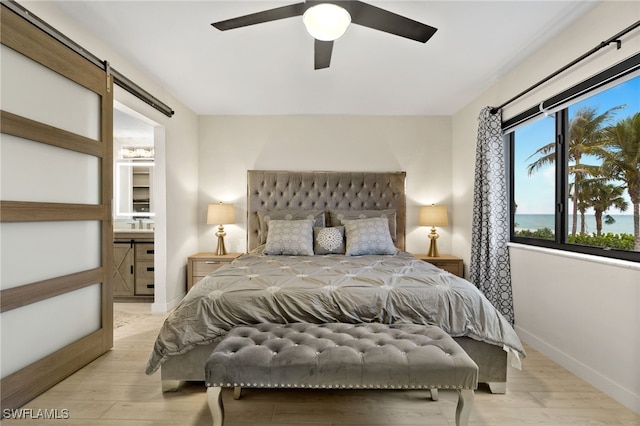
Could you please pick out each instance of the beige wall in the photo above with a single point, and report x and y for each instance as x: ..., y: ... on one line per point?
x: 557, y: 301
x: 231, y: 145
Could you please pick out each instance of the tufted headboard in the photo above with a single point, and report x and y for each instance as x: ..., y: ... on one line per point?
x: 273, y: 190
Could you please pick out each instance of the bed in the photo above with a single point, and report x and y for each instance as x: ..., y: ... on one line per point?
x: 330, y: 283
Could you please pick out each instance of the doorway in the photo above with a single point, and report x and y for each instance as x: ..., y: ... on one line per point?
x: 133, y: 206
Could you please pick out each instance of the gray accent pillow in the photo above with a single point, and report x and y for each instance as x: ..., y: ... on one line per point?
x: 329, y: 240
x: 265, y: 216
x: 336, y: 217
x: 292, y: 237
x: 368, y: 236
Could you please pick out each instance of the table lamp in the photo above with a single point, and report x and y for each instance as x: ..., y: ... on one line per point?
x: 433, y: 216
x: 220, y: 214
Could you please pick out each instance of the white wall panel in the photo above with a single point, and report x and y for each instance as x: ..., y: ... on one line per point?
x: 34, y: 331
x: 583, y: 314
x: 33, y: 91
x: 35, y: 251
x: 71, y: 177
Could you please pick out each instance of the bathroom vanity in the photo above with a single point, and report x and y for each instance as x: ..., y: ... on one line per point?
x: 133, y: 273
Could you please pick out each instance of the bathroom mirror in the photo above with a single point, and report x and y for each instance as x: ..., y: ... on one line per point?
x: 133, y: 189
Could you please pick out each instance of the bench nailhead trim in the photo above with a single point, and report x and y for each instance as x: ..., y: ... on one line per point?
x: 337, y: 386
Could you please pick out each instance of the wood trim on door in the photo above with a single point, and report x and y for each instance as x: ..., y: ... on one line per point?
x: 23, y: 295
x: 23, y: 37
x: 22, y: 127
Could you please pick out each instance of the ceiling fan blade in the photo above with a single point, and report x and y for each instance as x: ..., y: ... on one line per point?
x: 260, y: 17
x: 380, y: 19
x: 323, y: 51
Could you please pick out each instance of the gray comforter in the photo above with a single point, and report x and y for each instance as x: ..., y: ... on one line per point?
x: 258, y: 288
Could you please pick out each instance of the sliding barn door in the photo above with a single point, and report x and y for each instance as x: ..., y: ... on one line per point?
x: 56, y: 238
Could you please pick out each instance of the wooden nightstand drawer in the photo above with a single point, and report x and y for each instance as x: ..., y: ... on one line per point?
x: 447, y: 262
x: 201, y: 264
x: 447, y: 266
x: 203, y: 267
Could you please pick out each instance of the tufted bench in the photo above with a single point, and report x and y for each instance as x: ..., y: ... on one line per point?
x: 340, y: 356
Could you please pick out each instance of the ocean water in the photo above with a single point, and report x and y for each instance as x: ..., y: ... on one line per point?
x: 623, y: 223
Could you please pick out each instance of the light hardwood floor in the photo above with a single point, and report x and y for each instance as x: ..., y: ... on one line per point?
x: 114, y: 390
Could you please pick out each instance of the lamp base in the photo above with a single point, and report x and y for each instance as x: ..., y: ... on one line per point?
x: 220, y: 249
x: 433, y: 245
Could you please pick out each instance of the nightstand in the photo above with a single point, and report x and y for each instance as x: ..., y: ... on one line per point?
x: 201, y: 264
x: 447, y: 262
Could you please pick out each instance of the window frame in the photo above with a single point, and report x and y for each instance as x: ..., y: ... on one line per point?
x: 566, y: 99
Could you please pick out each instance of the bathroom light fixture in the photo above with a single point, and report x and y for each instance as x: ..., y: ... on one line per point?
x: 326, y: 21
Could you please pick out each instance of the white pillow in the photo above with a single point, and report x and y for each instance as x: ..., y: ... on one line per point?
x: 292, y: 237
x: 368, y: 236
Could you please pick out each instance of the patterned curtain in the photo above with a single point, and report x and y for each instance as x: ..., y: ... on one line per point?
x: 489, y: 269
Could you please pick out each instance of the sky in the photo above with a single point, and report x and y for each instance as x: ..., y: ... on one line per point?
x: 535, y: 194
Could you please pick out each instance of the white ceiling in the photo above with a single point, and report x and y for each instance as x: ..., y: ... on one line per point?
x: 268, y: 68
x: 129, y: 130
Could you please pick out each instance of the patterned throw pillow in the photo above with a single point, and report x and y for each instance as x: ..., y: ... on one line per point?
x: 292, y: 237
x: 265, y: 216
x: 368, y: 236
x: 328, y: 240
x: 336, y: 217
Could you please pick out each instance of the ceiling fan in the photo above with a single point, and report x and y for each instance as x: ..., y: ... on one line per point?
x: 326, y: 21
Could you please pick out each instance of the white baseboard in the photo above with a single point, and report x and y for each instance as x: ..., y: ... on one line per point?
x: 165, y: 307
x: 624, y: 396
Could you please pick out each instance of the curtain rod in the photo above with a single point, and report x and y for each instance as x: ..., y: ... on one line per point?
x: 615, y: 38
x: 118, y: 78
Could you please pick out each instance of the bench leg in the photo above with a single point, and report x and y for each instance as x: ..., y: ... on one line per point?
x: 237, y: 392
x: 434, y: 394
x: 214, y: 399
x: 465, y: 404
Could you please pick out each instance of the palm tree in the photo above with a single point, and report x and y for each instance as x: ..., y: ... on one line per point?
x: 622, y: 162
x: 586, y: 136
x: 601, y: 196
x: 582, y: 202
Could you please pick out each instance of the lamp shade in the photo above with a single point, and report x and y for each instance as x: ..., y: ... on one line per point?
x: 220, y: 214
x: 326, y: 21
x: 433, y: 216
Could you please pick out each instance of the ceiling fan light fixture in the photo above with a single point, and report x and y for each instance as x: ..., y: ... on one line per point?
x: 326, y: 21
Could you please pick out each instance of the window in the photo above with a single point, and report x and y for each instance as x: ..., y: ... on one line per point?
x: 534, y: 151
x: 575, y: 175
